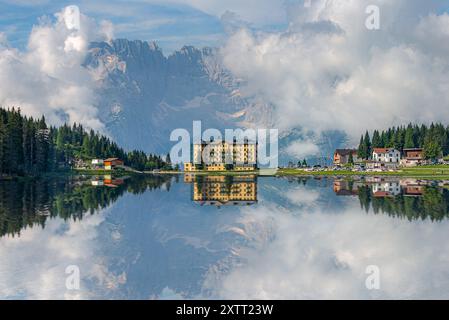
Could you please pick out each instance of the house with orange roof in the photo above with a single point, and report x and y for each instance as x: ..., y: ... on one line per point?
x: 111, y: 163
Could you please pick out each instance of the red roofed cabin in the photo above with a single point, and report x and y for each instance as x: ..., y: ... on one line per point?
x: 111, y: 163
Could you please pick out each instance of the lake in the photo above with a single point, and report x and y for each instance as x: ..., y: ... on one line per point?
x: 224, y: 237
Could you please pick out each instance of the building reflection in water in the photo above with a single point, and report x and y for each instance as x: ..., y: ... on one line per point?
x: 384, y: 187
x: 216, y: 190
x: 411, y: 199
x: 107, y: 181
x: 346, y: 187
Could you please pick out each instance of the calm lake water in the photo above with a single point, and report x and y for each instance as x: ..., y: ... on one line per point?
x: 218, y: 237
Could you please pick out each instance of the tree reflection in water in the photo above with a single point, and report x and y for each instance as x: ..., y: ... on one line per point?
x: 405, y: 198
x: 27, y: 203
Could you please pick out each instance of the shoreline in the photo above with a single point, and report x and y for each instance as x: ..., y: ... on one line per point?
x: 425, y: 172
x: 438, y: 172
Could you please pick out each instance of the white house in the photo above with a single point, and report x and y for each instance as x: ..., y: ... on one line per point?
x: 386, y: 155
x: 98, y: 162
x: 97, y: 182
x: 388, y: 188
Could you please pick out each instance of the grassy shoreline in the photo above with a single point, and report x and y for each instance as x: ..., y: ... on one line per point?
x: 438, y: 172
x: 428, y: 172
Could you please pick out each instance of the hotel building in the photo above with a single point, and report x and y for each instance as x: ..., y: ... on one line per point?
x: 221, y: 156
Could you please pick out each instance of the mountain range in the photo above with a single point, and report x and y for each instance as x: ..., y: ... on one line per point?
x: 143, y: 95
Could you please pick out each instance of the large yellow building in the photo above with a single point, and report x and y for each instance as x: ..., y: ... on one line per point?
x: 225, y: 190
x: 216, y: 156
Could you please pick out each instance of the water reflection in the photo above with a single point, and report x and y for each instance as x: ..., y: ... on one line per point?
x: 301, y: 238
x: 223, y: 190
x: 108, y: 181
x: 28, y: 203
x: 409, y: 198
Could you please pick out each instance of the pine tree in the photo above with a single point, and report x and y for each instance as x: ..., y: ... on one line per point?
x: 14, y: 153
x: 399, y: 138
x: 422, y: 135
x: 409, y: 140
x: 391, y: 137
x: 168, y: 160
x: 351, y: 158
x: 383, y: 139
x: 367, y: 146
x: 376, y: 141
x: 432, y: 143
x: 2, y: 141
x: 28, y: 145
x: 432, y: 150
x: 42, y: 146
x: 361, y: 151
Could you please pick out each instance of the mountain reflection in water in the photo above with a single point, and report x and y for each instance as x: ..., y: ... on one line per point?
x: 29, y: 203
x: 241, y: 237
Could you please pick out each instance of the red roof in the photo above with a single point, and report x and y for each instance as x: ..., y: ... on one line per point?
x: 381, y: 194
x: 383, y: 150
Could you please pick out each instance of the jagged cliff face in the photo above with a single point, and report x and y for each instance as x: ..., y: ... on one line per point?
x: 144, y: 95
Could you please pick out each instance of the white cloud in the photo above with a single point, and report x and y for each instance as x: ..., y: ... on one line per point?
x: 3, y: 40
x: 317, y: 254
x: 261, y: 12
x: 433, y: 32
x: 302, y: 149
x: 48, y: 78
x: 39, y: 259
x: 327, y: 71
x: 301, y: 196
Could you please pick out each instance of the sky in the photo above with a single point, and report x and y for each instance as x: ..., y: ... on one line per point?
x: 350, y: 65
x: 172, y: 23
x: 333, y: 69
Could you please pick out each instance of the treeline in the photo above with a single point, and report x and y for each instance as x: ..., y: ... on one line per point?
x: 434, y: 139
x: 30, y: 147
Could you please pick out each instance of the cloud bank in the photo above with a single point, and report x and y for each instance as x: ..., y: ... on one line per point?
x: 259, y: 12
x: 313, y: 251
x: 301, y: 149
x: 41, y: 257
x: 327, y: 71
x: 48, y: 78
